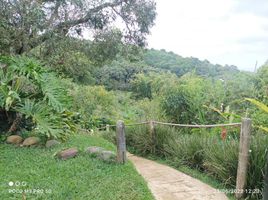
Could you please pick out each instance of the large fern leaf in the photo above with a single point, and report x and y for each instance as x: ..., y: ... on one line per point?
x: 53, y: 92
x: 46, y: 121
x: 28, y: 88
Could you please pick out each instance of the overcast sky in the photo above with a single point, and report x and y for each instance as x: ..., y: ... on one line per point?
x: 233, y: 32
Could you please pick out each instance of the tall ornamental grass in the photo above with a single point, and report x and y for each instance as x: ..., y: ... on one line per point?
x: 206, y: 152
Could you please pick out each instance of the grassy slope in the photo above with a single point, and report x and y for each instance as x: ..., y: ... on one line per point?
x: 82, y: 177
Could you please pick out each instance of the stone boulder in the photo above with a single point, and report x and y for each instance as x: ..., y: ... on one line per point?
x: 30, y: 141
x: 14, y: 139
x: 94, y: 150
x: 67, y: 153
x: 107, y: 156
x: 52, y: 143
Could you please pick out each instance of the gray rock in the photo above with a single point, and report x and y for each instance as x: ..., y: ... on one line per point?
x: 94, y: 150
x: 52, y: 143
x: 108, y: 156
x: 31, y: 141
x: 67, y: 153
x: 14, y: 139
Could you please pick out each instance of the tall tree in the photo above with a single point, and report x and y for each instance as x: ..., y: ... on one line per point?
x: 25, y: 24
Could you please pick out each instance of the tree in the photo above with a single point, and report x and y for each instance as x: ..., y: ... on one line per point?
x: 118, y: 74
x: 27, y: 24
x: 69, y: 57
x: 142, y: 87
x: 261, y: 82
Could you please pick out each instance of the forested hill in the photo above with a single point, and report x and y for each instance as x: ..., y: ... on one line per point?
x: 114, y: 65
x: 161, y: 59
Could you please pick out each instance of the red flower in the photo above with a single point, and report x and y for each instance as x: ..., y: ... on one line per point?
x: 223, y: 133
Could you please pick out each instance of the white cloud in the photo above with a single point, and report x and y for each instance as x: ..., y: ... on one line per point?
x: 213, y: 30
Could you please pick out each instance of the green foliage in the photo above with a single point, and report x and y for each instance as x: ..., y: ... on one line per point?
x: 95, y: 104
x: 68, y: 57
x: 148, y: 109
x: 169, y: 61
x: 183, y: 103
x: 237, y: 88
x: 106, y: 46
x: 29, y: 89
x: 203, y: 151
x: 186, y: 150
x: 23, y: 31
x: 118, y: 74
x: 261, y: 82
x: 138, y: 140
x: 258, y: 160
x: 142, y: 86
x: 261, y: 107
x: 221, y: 159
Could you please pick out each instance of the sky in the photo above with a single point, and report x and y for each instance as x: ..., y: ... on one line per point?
x: 233, y: 32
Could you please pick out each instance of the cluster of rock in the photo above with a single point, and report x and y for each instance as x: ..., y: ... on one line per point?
x: 94, y: 151
x: 30, y: 141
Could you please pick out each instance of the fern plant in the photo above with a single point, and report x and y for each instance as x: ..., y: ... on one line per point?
x: 28, y: 91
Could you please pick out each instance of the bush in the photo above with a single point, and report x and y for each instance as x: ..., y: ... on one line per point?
x: 95, y: 104
x: 31, y: 97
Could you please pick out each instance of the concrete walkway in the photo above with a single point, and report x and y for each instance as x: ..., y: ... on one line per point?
x: 167, y: 183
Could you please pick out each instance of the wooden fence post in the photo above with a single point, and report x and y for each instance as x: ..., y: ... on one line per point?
x: 121, y: 142
x: 243, y: 159
x: 152, y: 135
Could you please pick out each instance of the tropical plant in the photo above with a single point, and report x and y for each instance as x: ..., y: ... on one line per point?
x: 30, y: 93
x: 263, y: 108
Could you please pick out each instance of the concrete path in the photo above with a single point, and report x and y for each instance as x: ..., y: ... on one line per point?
x: 167, y: 183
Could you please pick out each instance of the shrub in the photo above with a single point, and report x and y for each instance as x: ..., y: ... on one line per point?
x: 95, y: 104
x: 32, y: 97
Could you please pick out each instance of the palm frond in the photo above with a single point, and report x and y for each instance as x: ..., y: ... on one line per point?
x: 263, y: 128
x: 259, y: 104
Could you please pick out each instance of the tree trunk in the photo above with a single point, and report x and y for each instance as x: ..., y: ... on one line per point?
x: 16, y: 123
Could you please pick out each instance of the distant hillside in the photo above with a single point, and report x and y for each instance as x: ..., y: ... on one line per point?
x: 174, y: 63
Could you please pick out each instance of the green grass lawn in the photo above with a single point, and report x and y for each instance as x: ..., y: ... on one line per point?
x: 78, y: 178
